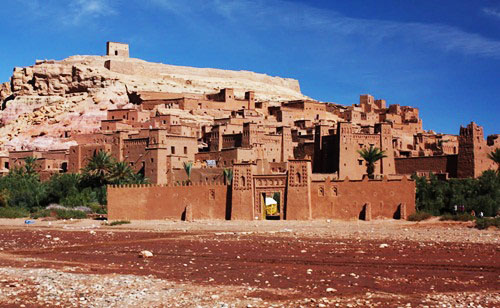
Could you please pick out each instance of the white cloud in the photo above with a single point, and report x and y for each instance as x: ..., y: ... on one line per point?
x: 69, y: 13
x: 277, y: 13
x: 83, y: 10
x: 495, y: 12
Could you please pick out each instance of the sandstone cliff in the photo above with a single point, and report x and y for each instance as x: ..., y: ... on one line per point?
x: 51, y: 100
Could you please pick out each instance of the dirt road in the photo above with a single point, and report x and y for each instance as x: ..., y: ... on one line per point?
x: 318, y: 264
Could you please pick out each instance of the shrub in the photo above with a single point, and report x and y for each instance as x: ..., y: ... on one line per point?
x: 458, y: 217
x: 41, y: 213
x: 62, y: 186
x: 419, y: 216
x: 484, y: 223
x: 438, y: 197
x: 13, y: 212
x: 24, y: 190
x: 97, y: 208
x: 118, y: 222
x: 68, y: 214
x: 60, y: 213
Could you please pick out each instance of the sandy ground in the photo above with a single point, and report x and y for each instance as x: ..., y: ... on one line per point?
x: 384, y: 263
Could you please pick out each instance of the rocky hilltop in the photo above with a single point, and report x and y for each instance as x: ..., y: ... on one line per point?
x: 51, y: 100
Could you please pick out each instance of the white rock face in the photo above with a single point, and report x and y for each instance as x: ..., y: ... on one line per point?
x: 44, y: 101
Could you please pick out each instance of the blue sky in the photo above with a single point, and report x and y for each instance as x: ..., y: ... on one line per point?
x: 440, y: 56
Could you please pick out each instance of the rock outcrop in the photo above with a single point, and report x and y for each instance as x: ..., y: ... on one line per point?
x: 46, y: 103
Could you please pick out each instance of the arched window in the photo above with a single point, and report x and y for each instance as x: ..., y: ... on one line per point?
x: 243, y: 181
x: 299, y: 178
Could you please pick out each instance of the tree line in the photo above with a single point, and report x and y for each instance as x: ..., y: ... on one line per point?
x: 22, y: 188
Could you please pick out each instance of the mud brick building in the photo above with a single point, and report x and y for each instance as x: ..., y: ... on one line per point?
x: 298, y: 196
x: 302, y: 152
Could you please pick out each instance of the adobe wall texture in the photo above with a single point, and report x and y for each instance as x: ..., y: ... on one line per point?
x: 346, y: 199
x: 434, y: 164
x: 151, y: 202
x: 304, y: 200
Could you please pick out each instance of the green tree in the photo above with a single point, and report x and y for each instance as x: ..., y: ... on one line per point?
x: 371, y: 156
x: 61, y: 186
x: 30, y: 165
x: 438, y: 197
x: 99, y: 169
x: 228, y: 175
x: 138, y: 178
x: 24, y: 189
x: 495, y: 156
x: 121, y: 173
x: 187, y: 167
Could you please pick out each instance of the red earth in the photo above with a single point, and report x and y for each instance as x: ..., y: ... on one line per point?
x: 280, y: 267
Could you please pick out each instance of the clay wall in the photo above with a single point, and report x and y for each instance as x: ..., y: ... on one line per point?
x: 302, y: 197
x: 231, y: 141
x: 199, y: 175
x: 16, y: 158
x: 185, y: 130
x: 242, y: 193
x: 121, y: 67
x: 412, y: 128
x: 117, y: 49
x: 56, y: 154
x: 4, y: 163
x: 427, y: 164
x: 227, y: 157
x: 351, y: 164
x: 350, y: 200
x: 114, y: 125
x: 298, y: 199
x: 153, y: 202
x: 80, y: 155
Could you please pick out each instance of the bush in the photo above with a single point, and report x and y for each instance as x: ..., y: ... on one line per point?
x: 118, y: 222
x: 68, y: 214
x: 439, y: 197
x: 419, y: 216
x: 484, y: 223
x: 13, y: 212
x: 60, y: 213
x: 97, y: 208
x: 24, y: 190
x: 458, y: 217
x: 41, y: 213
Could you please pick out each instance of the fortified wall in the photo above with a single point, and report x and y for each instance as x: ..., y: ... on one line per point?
x: 296, y: 197
x: 148, y: 202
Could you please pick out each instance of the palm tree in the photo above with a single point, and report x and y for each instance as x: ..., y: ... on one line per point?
x: 187, y: 167
x: 371, y: 156
x: 228, y: 175
x: 495, y: 156
x: 138, y: 178
x: 121, y: 173
x: 30, y: 165
x: 99, y: 168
